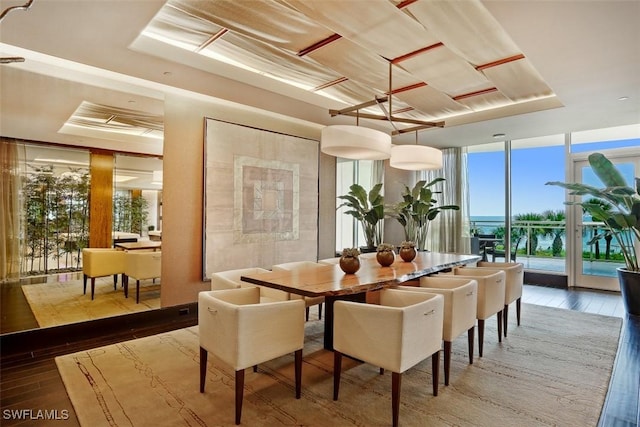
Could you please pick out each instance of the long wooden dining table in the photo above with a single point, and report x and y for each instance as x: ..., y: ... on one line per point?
x: 329, y: 281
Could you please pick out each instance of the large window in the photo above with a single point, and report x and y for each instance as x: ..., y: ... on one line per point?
x: 537, y: 212
x: 538, y: 228
x: 486, y: 164
x: 367, y: 173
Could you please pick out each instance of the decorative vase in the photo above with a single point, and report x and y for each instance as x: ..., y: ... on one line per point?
x: 349, y: 264
x: 630, y: 289
x: 385, y: 258
x: 407, y: 254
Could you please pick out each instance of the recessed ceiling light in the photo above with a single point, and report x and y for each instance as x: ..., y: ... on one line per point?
x: 623, y: 98
x: 167, y: 73
x: 499, y: 135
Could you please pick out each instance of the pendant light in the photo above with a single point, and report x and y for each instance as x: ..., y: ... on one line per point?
x: 355, y: 142
x: 415, y: 157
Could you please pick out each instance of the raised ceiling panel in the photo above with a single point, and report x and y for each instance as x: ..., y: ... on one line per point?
x: 439, y: 59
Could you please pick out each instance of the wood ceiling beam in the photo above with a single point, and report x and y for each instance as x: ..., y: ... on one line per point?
x: 212, y: 39
x: 407, y: 88
x: 318, y: 45
x: 405, y: 3
x: 416, y: 53
x: 476, y: 93
x: 329, y: 84
x: 500, y: 62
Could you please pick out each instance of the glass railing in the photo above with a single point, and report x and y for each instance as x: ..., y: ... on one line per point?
x: 541, y: 245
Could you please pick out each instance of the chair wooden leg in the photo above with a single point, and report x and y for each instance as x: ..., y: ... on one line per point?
x: 500, y: 326
x: 239, y: 393
x: 298, y: 369
x: 320, y: 311
x: 435, y: 368
x: 307, y: 314
x: 447, y: 361
x: 125, y: 283
x: 203, y: 368
x: 137, y: 291
x: 93, y: 287
x: 480, y: 335
x: 518, y: 306
x: 470, y: 334
x: 505, y: 318
x: 84, y: 284
x: 337, y: 366
x: 396, y: 384
x: 115, y: 282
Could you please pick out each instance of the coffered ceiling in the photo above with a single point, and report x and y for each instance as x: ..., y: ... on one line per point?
x: 460, y: 71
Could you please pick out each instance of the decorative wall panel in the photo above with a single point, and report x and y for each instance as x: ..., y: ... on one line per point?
x: 261, y: 198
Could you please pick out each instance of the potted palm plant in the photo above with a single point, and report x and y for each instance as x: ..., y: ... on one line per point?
x: 417, y: 209
x: 368, y: 209
x: 621, y: 220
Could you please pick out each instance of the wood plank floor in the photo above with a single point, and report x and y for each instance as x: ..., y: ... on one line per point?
x: 33, y: 384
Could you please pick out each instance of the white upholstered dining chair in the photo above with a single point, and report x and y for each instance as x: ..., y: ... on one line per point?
x: 300, y: 265
x: 242, y: 332
x: 514, y: 280
x: 460, y: 305
x: 230, y: 279
x: 402, y: 331
x: 139, y: 266
x: 100, y: 262
x: 491, y: 288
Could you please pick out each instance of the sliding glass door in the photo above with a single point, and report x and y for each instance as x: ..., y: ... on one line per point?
x: 596, y: 261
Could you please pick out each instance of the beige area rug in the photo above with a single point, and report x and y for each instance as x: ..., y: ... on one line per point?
x: 551, y: 371
x: 60, y: 303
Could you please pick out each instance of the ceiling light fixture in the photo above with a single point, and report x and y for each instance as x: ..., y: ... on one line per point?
x: 415, y: 157
x: 388, y: 114
x: 499, y: 135
x: 355, y: 142
x: 360, y: 143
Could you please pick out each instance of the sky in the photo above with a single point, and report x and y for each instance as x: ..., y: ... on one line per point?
x: 531, y: 168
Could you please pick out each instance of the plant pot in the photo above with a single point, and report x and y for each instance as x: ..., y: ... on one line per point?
x: 630, y: 288
x: 349, y: 264
x: 385, y: 258
x: 407, y: 254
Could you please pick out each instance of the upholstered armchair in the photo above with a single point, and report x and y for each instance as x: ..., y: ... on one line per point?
x: 402, y: 331
x: 299, y: 265
x: 514, y: 272
x: 491, y: 288
x: 141, y: 266
x: 230, y: 279
x: 460, y: 305
x: 100, y: 262
x: 242, y: 332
